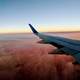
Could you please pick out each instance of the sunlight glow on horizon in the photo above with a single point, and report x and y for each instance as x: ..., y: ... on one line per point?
x: 41, y: 29
x: 60, y: 28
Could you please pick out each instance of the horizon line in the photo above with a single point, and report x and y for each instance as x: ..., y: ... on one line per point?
x: 40, y: 32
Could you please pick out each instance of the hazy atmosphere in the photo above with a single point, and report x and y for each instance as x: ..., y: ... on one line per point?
x: 51, y: 55
x: 46, y: 15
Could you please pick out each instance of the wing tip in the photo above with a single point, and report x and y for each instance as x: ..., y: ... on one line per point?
x: 33, y: 29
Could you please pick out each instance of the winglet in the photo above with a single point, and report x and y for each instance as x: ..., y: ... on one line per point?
x: 32, y: 28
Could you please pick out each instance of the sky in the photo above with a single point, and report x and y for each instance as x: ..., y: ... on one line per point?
x: 45, y: 15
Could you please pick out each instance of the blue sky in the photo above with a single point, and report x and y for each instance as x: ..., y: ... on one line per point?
x: 16, y: 14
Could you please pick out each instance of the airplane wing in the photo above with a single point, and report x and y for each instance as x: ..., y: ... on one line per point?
x: 59, y: 42
x: 64, y: 45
